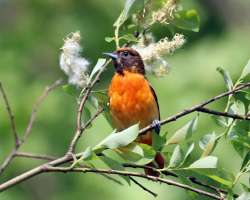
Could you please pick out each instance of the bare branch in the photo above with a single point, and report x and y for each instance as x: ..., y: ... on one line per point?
x: 7, y: 161
x: 11, y: 116
x: 165, y: 172
x: 35, y: 156
x: 80, y: 131
x: 196, y: 107
x: 45, y: 93
x: 218, y: 190
x: 133, y: 174
x: 30, y: 124
x: 225, y: 114
x: 143, y: 187
x: 86, y: 91
x: 170, y: 173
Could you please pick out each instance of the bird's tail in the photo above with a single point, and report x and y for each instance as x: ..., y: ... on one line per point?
x: 157, y: 163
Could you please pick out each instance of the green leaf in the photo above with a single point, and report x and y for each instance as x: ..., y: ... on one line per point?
x: 240, y: 108
x: 239, y: 136
x: 120, y: 139
x: 242, y: 97
x: 176, y: 157
x: 246, y: 161
x: 246, y: 71
x: 187, y: 20
x: 138, y: 153
x: 71, y: 90
x: 93, y: 101
x: 103, y: 100
x: 129, y: 38
x: 207, y: 144
x: 186, y: 181
x: 109, y: 39
x: 184, y: 132
x: 221, y: 180
x: 97, y: 67
x: 245, y: 187
x: 132, y: 152
x: 124, y: 14
x: 226, y: 76
x: 113, y: 164
x: 88, y: 154
x: 158, y: 141
x: 189, y: 151
x: 219, y: 175
x: 208, y: 162
x: 148, y: 154
x: 220, y: 121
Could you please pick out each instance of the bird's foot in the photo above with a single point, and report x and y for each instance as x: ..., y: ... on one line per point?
x: 157, y: 126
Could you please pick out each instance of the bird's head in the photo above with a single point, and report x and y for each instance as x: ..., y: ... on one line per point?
x: 127, y: 59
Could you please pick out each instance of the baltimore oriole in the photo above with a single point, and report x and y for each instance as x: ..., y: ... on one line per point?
x: 132, y: 99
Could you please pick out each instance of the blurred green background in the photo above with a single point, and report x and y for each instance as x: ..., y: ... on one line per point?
x: 31, y: 34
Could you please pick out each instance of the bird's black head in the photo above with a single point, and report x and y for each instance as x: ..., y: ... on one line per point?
x: 127, y: 59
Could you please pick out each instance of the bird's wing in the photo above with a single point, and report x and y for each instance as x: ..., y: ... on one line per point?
x: 156, y: 100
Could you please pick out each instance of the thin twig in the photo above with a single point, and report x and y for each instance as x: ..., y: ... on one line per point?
x: 86, y: 91
x: 165, y: 172
x: 143, y: 187
x: 225, y: 114
x: 36, y: 105
x: 7, y: 160
x: 35, y: 156
x: 11, y: 116
x: 196, y: 107
x: 170, y: 173
x: 12, y: 154
x: 132, y: 174
x: 80, y: 131
x: 109, y: 177
x: 218, y: 190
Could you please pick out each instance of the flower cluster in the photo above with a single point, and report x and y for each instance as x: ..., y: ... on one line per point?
x: 71, y: 62
x: 165, y: 14
x: 153, y: 52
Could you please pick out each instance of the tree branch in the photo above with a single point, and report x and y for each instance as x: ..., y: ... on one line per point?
x: 196, y: 107
x: 132, y: 174
x: 35, y: 156
x: 170, y: 173
x: 11, y: 156
x: 45, y: 93
x: 11, y: 116
x: 225, y: 114
x: 86, y: 91
x: 143, y: 187
x: 81, y: 130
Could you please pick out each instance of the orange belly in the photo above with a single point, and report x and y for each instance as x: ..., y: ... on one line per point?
x: 131, y: 101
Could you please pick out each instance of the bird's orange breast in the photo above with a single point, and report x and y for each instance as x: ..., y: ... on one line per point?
x: 131, y: 101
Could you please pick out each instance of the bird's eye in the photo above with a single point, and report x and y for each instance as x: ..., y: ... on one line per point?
x: 125, y: 53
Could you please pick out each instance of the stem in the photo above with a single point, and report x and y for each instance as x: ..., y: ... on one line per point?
x: 117, y: 37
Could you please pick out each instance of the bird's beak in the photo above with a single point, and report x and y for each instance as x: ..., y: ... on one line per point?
x: 111, y: 55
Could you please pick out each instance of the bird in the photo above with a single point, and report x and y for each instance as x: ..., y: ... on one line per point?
x: 133, y: 100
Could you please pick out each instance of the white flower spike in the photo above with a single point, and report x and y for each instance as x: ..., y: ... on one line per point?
x: 71, y: 62
x: 166, y: 13
x: 153, y: 53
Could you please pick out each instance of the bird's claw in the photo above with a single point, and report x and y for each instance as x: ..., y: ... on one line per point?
x: 157, y: 126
